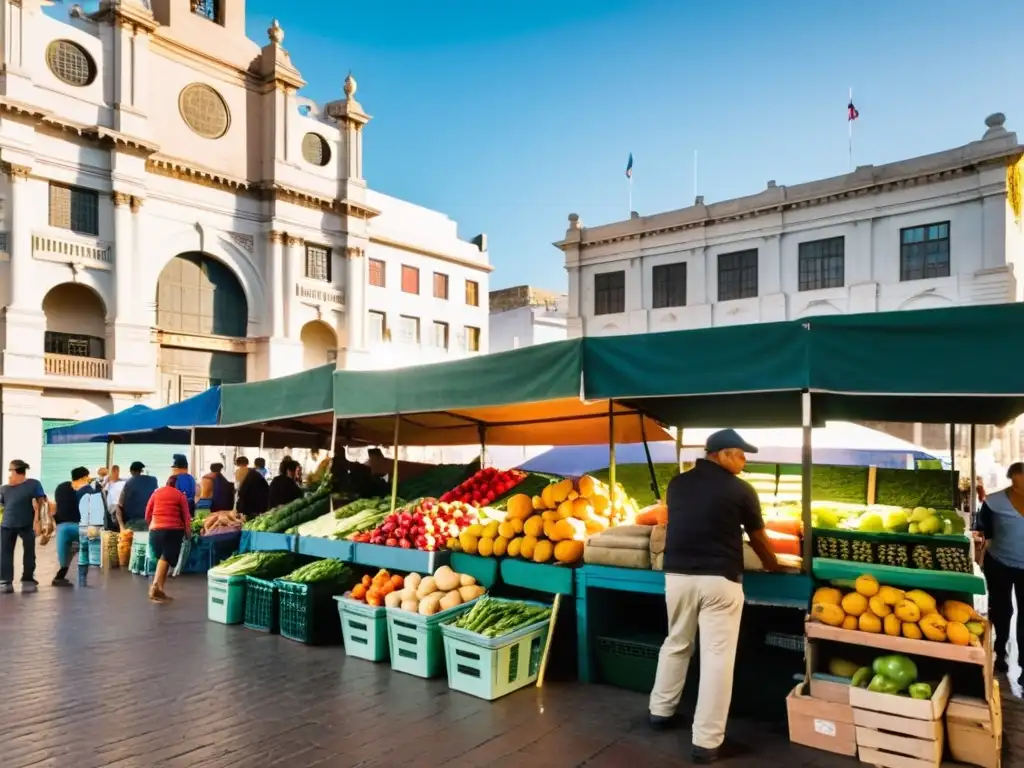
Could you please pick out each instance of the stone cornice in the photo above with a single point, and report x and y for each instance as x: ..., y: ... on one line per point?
x: 16, y: 171
x: 48, y: 119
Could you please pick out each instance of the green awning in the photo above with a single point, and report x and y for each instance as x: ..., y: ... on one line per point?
x: 744, y: 375
x: 958, y: 365
x: 300, y: 402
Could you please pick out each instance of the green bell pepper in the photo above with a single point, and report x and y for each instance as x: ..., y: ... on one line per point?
x: 882, y: 684
x: 921, y: 691
x: 899, y: 669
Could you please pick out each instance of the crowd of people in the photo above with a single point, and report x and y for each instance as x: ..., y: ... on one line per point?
x: 84, y: 504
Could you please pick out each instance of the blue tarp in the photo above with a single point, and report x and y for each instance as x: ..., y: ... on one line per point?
x: 169, y: 425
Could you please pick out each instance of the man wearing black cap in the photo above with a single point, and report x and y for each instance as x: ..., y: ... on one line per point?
x: 709, y: 508
x: 131, y: 507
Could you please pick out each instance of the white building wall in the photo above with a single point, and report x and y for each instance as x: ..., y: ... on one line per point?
x: 525, y: 326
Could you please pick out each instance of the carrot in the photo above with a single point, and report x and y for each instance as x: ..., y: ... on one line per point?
x: 397, y: 581
x: 386, y: 588
x: 374, y: 599
x: 359, y: 592
x: 367, y: 581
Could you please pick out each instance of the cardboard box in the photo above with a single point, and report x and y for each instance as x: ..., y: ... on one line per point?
x: 820, y: 724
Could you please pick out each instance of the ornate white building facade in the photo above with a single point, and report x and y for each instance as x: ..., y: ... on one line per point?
x: 175, y: 215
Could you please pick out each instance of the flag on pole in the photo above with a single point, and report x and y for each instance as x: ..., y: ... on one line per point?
x: 629, y: 166
x: 851, y: 112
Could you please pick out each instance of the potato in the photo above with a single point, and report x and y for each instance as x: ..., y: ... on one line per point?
x: 446, y: 579
x: 413, y: 580
x: 426, y: 586
x: 439, y: 594
x: 409, y: 593
x: 412, y: 606
x: 430, y: 605
x: 465, y: 580
x: 471, y: 592
x: 451, y: 600
x: 393, y: 600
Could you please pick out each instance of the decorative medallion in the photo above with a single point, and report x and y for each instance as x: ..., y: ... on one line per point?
x: 204, y: 110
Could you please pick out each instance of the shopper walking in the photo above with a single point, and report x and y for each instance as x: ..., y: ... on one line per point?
x: 1001, y: 523
x: 67, y: 518
x: 131, y: 506
x: 709, y: 508
x: 168, y: 516
x: 183, y: 481
x: 22, y: 499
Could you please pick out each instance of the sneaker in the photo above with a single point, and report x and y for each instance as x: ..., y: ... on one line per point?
x: 728, y: 749
x: 29, y: 585
x: 61, y: 583
x: 6, y: 588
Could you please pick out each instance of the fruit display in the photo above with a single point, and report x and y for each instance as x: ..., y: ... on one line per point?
x: 425, y: 595
x: 900, y: 550
x: 485, y: 486
x: 423, y: 525
x: 549, y: 526
x: 353, y: 518
x: 894, y: 674
x: 494, y: 618
x: 915, y: 614
x: 877, y: 518
x: 292, y: 514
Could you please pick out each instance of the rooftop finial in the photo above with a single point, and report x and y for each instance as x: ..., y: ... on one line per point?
x: 350, y: 86
x: 275, y: 32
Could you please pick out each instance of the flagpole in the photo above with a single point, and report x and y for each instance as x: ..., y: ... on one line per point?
x: 695, y: 177
x: 630, y: 196
x: 849, y: 123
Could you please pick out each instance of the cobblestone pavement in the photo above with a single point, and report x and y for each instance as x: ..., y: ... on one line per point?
x: 101, y: 677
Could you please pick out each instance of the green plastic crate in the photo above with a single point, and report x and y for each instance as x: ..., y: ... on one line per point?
x: 225, y: 599
x: 261, y: 605
x: 364, y: 629
x: 307, y: 612
x: 932, y: 553
x: 492, y: 667
x: 417, y: 646
x: 629, y: 663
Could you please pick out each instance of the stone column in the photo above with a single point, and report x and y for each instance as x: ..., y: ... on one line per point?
x: 275, y: 282
x: 24, y: 323
x: 19, y: 243
x: 124, y: 237
x: 355, y: 299
x: 293, y: 272
x: 23, y: 428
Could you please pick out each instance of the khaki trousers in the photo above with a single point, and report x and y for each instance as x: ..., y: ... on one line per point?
x: 713, y: 604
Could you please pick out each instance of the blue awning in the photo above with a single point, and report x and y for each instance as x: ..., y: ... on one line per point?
x: 95, y: 430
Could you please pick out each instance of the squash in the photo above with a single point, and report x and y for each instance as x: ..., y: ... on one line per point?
x: 569, y: 551
x: 471, y: 592
x: 426, y: 586
x: 452, y: 600
x: 446, y: 579
x: 656, y: 514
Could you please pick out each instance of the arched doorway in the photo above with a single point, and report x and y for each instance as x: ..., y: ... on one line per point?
x: 319, y: 344
x: 202, y: 320
x: 75, y: 341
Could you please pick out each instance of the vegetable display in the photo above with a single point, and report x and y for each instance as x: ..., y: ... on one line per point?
x: 266, y: 565
x: 494, y: 618
x: 363, y: 515
x: 425, y: 595
x: 436, y: 480
x: 873, y: 607
x: 320, y: 571
x: 485, y: 486
x: 423, y: 525
x: 295, y: 513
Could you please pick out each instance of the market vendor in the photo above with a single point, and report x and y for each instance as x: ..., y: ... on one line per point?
x: 709, y: 508
x: 284, y: 488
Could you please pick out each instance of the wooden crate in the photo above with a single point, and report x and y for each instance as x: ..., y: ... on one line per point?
x: 820, y: 724
x: 975, y: 730
x: 898, y: 732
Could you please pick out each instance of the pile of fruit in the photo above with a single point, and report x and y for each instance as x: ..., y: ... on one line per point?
x: 485, y: 486
x: 423, y: 525
x: 425, y: 595
x: 877, y: 518
x: 550, y: 526
x: 901, y: 553
x: 895, y: 674
x: 915, y: 615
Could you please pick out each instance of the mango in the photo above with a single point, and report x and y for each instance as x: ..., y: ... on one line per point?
x: 906, y: 610
x: 854, y: 604
x: 868, y: 622
x: 827, y: 595
x: 877, y: 607
x: 543, y: 551
x: 933, y: 627
x: 534, y: 526
x: 469, y: 542
x: 957, y: 633
x: 485, y: 546
x: 527, y: 547
x: 850, y: 622
x: 491, y: 530
x: 891, y: 625
x: 500, y: 546
x: 514, y: 547
x: 976, y: 628
x: 954, y: 610
x: 842, y: 668
x: 827, y: 613
x: 910, y: 631
x: 867, y: 585
x: 538, y: 503
x: 890, y: 595
x: 924, y: 601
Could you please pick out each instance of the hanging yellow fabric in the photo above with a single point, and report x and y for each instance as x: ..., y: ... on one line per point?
x: 1014, y: 186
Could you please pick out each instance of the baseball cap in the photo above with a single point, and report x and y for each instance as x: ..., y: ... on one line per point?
x: 179, y: 462
x: 137, y: 466
x: 727, y: 438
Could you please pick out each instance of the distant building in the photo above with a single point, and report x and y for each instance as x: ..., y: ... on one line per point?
x: 522, y: 316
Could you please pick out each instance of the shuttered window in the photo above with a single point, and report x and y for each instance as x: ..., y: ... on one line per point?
x: 440, y: 286
x: 410, y: 279
x: 377, y: 273
x: 318, y: 263
x: 473, y: 293
x: 75, y: 208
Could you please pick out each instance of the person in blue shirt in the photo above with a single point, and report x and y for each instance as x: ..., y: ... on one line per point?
x: 22, y: 499
x: 131, y: 507
x: 183, y: 481
x: 1001, y: 522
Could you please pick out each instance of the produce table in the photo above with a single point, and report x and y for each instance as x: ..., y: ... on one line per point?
x: 769, y: 589
x: 336, y: 549
x: 260, y: 541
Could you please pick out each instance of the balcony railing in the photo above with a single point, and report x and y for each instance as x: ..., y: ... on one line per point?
x: 89, y: 253
x: 76, y: 367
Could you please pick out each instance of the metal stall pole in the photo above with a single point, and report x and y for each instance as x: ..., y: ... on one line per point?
x: 330, y: 464
x: 482, y: 432
x: 260, y: 453
x: 394, y: 468
x: 109, y: 458
x: 974, y: 474
x: 805, y: 481
x: 650, y: 461
x: 192, y: 449
x: 952, y: 465
x: 679, y: 449
x: 611, y: 455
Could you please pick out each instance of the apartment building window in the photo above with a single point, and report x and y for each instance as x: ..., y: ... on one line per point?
x: 410, y: 279
x: 924, y: 251
x: 440, y: 335
x: 473, y: 293
x: 408, y: 329
x: 208, y: 9
x: 74, y: 344
x: 609, y: 293
x: 440, y: 286
x: 377, y: 273
x: 737, y: 275
x: 75, y: 208
x: 668, y: 285
x: 318, y: 263
x: 377, y: 327
x: 472, y: 339
x: 821, y: 264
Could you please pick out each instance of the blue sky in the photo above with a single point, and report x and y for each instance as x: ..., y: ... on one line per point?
x: 509, y: 115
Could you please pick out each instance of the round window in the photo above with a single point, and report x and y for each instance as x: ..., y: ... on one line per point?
x: 315, y: 149
x: 204, y: 111
x: 70, y: 63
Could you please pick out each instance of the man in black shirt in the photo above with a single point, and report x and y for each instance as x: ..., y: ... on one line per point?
x: 67, y: 518
x: 283, y: 488
x: 709, y: 508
